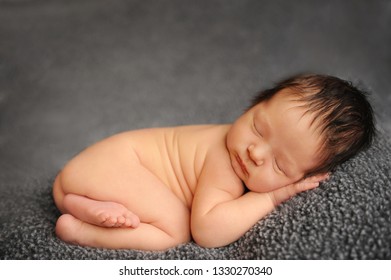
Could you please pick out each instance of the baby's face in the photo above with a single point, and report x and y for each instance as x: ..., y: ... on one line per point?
x: 273, y: 144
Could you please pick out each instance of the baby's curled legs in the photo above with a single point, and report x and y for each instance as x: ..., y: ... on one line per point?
x: 109, y: 199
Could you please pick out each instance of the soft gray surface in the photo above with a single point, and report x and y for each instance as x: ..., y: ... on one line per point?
x: 348, y: 217
x: 73, y: 72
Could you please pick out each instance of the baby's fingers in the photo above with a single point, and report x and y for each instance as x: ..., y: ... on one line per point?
x: 287, y: 192
x: 305, y: 185
x: 317, y: 178
x: 284, y: 193
x: 311, y: 182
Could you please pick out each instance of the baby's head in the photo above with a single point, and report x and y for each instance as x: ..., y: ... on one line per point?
x: 304, y: 126
x: 341, y: 114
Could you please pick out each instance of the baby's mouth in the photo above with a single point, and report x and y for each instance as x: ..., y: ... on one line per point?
x: 242, y: 165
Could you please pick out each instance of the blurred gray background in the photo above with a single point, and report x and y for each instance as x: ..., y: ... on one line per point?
x: 73, y: 72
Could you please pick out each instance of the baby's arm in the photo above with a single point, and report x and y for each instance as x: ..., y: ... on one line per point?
x: 221, y: 215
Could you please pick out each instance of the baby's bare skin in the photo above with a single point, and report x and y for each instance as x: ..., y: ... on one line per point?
x: 152, y: 189
x: 100, y: 213
x: 174, y: 156
x: 159, y: 151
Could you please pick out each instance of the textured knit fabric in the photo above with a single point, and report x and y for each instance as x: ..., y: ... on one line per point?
x: 347, y: 217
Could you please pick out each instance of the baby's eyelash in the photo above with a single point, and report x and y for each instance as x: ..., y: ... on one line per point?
x: 257, y: 130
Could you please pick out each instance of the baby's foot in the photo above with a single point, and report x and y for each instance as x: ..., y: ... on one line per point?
x: 100, y: 213
x: 112, y: 214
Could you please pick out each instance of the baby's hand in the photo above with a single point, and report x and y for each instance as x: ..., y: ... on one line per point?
x: 282, y: 194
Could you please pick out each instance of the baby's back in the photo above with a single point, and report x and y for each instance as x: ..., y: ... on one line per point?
x: 176, y: 155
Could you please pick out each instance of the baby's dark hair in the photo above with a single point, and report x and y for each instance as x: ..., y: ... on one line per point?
x: 341, y: 112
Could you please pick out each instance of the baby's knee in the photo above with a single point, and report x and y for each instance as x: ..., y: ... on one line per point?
x: 65, y: 228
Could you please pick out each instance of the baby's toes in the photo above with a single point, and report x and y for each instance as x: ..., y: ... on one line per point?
x: 127, y: 223
x: 120, y: 221
x: 131, y: 220
x: 107, y: 220
x: 102, y: 218
x: 135, y: 221
x: 111, y: 222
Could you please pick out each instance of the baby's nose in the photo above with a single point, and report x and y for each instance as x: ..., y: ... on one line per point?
x: 258, y: 154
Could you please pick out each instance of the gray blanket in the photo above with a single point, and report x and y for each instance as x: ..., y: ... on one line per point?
x: 348, y: 217
x: 75, y: 71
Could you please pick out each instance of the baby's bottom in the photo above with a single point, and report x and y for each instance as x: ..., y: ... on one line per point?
x: 110, y: 200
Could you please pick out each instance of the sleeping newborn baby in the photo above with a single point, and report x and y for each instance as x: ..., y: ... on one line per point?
x: 153, y: 189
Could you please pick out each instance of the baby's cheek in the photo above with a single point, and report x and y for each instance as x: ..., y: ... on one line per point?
x: 264, y: 185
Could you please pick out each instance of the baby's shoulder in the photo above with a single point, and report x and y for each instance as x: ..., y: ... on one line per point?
x: 213, y: 146
x: 202, y: 139
x: 198, y: 143
x: 202, y: 134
